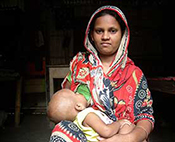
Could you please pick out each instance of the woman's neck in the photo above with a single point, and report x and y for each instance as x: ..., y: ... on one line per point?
x: 106, y: 61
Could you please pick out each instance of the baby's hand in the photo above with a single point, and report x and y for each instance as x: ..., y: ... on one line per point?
x: 100, y: 138
x: 124, y: 122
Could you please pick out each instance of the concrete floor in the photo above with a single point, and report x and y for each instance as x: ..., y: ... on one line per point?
x: 36, y: 128
x: 33, y: 128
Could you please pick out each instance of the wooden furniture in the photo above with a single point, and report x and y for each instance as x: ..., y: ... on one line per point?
x: 18, y: 101
x: 54, y: 72
x: 7, y: 75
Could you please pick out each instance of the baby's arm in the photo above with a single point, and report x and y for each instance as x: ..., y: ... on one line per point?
x: 104, y: 130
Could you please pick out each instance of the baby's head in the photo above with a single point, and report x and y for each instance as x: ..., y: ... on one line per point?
x: 65, y: 105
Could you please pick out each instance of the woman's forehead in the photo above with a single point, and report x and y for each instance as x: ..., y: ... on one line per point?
x: 106, y: 20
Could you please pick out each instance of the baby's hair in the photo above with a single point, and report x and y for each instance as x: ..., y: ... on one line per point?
x: 59, y: 102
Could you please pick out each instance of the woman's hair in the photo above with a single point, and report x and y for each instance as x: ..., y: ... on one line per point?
x: 108, y: 12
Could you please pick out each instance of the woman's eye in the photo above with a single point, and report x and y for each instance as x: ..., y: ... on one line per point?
x: 113, y: 31
x: 99, y: 31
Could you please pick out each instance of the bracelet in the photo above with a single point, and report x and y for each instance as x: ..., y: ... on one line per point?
x: 126, y: 122
x: 143, y: 130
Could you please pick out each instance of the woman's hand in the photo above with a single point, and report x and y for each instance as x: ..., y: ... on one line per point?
x: 138, y: 134
x: 124, y: 122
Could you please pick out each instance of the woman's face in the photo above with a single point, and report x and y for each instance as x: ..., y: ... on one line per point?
x: 106, y: 35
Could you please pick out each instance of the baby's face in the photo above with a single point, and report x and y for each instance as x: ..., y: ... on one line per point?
x: 81, y: 99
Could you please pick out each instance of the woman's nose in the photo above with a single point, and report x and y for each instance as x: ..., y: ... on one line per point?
x: 105, y: 36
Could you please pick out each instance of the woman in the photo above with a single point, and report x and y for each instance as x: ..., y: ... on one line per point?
x: 107, y: 76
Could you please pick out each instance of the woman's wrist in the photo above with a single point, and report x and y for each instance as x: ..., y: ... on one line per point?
x: 131, y: 137
x: 138, y: 134
x: 143, y: 129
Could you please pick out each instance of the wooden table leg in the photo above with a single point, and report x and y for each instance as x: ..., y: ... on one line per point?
x: 18, y: 101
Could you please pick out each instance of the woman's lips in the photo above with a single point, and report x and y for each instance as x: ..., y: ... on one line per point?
x: 105, y: 44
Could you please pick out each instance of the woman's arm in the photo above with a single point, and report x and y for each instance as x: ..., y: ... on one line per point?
x: 67, y: 81
x: 141, y: 131
x: 67, y: 85
x: 138, y: 134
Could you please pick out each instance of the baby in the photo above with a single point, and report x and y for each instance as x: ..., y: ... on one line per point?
x: 66, y: 105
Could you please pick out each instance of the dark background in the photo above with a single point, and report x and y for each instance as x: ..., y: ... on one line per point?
x: 150, y: 23
x: 35, y: 34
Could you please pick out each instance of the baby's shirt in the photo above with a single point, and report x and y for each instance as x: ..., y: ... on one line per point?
x: 90, y: 134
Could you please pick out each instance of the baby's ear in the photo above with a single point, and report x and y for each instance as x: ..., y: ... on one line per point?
x: 79, y: 107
